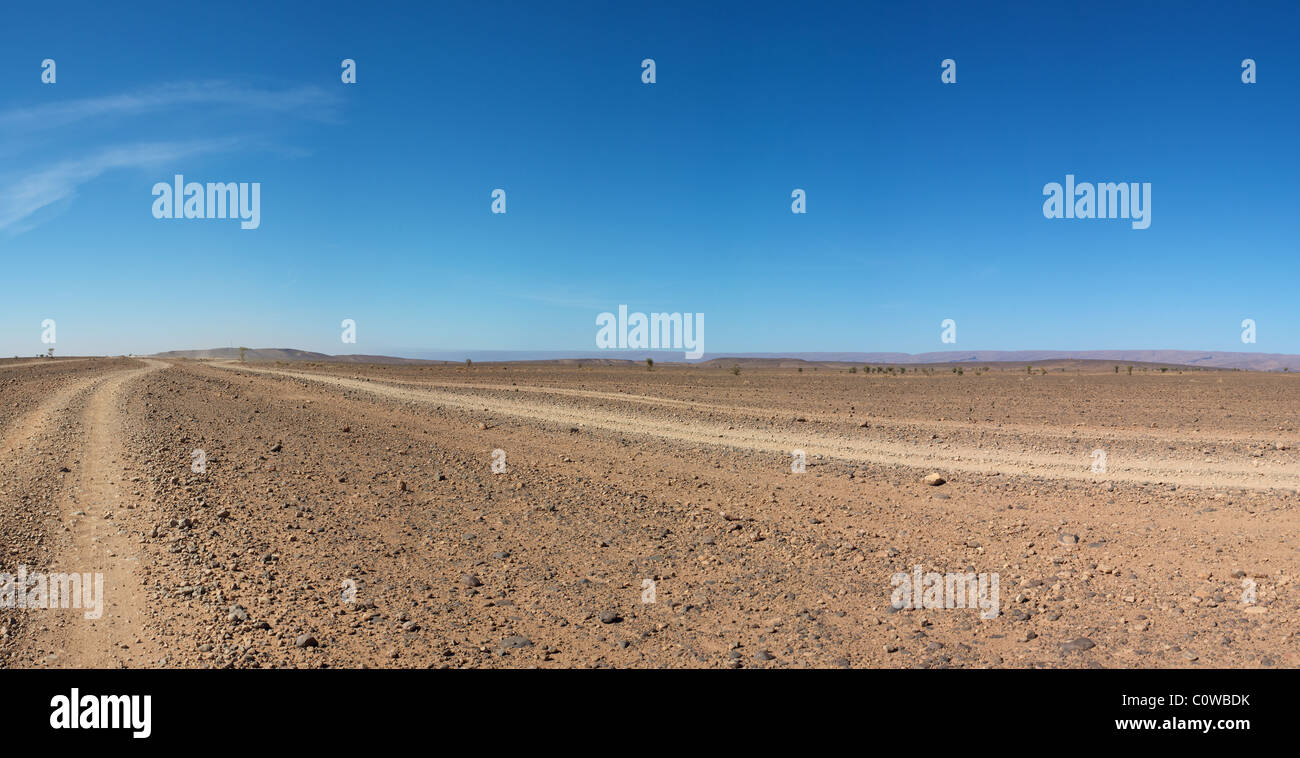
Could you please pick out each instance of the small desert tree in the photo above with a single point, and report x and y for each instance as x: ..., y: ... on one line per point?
x: 735, y: 369
x: 649, y: 364
x: 242, y: 351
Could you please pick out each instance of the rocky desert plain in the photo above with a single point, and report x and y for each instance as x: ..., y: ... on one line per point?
x: 591, y: 514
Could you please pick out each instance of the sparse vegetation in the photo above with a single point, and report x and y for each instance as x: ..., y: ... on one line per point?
x: 649, y: 364
x: 735, y: 369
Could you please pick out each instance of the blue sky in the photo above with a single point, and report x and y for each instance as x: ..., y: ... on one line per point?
x: 924, y: 199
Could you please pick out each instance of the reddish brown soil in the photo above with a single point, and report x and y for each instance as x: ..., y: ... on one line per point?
x: 358, y: 506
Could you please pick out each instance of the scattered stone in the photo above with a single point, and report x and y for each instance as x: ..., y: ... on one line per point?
x: 515, y: 642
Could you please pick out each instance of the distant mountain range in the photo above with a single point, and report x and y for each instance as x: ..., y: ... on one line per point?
x: 286, y: 354
x: 1201, y: 358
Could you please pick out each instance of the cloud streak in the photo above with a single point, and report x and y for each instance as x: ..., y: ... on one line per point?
x: 309, y: 102
x: 23, y: 196
x: 25, y: 192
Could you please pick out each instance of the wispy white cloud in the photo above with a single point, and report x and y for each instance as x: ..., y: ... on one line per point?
x: 308, y: 102
x: 24, y: 192
x: 22, y: 196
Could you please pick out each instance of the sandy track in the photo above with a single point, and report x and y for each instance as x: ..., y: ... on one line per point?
x: 81, y: 425
x: 1163, y: 469
x: 760, y: 413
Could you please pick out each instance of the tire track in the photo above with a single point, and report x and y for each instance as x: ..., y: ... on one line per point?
x: 81, y: 425
x: 1130, y: 468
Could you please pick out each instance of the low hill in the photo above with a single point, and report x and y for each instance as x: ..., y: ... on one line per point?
x: 286, y: 354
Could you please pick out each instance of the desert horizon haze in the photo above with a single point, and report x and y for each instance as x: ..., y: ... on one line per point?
x: 1190, y: 358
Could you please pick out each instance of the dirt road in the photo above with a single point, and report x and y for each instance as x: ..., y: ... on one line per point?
x: 80, y: 427
x: 1147, y: 462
